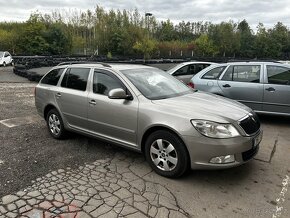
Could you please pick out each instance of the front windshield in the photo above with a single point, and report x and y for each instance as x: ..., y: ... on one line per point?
x: 156, y: 84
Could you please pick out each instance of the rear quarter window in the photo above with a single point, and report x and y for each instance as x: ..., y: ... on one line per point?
x: 213, y: 73
x: 52, y: 77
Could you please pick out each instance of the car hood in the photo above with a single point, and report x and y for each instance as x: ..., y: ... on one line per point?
x: 201, y: 105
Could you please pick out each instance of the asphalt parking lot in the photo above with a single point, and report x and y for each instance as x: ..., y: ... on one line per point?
x: 84, y: 177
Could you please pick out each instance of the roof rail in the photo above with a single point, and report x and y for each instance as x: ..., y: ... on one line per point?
x: 83, y: 62
x: 252, y: 60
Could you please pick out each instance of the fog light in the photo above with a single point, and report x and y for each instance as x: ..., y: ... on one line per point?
x: 223, y: 159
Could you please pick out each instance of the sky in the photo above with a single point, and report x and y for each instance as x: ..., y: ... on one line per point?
x: 268, y: 12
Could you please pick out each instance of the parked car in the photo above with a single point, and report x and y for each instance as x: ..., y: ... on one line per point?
x: 186, y: 70
x: 5, y: 58
x: 147, y: 110
x: 263, y: 86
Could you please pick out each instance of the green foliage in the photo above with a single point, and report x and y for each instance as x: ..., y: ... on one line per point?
x: 58, y: 41
x: 205, y: 46
x: 246, y: 39
x: 109, y: 55
x: 127, y: 33
x: 146, y: 46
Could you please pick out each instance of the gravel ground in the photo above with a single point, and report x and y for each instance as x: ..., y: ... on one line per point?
x: 28, y: 151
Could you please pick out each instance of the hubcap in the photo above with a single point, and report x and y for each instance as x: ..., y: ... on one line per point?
x: 163, y: 155
x: 54, y: 124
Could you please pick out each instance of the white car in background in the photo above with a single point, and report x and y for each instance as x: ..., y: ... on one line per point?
x: 186, y: 70
x: 5, y: 58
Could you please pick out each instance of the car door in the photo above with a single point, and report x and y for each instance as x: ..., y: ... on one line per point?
x: 277, y: 89
x: 115, y: 119
x: 243, y: 83
x: 71, y: 96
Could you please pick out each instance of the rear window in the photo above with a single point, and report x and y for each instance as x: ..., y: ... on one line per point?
x: 52, y: 77
x: 76, y: 78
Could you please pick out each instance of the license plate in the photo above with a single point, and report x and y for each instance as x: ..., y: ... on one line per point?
x: 257, y: 140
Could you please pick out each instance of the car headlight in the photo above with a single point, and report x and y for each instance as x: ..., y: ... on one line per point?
x: 215, y: 130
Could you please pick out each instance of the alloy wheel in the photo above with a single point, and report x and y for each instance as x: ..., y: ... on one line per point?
x: 163, y: 154
x: 54, y: 124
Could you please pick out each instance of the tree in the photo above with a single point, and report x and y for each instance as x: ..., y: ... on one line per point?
x: 58, y: 41
x: 32, y: 41
x: 263, y: 43
x: 205, y: 46
x: 280, y: 37
x: 246, y: 39
x: 166, y: 31
x: 146, y: 46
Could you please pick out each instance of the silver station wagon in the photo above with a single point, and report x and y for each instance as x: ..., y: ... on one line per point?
x: 262, y: 86
x: 148, y: 110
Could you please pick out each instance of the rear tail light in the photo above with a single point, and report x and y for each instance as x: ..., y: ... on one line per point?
x: 191, y: 85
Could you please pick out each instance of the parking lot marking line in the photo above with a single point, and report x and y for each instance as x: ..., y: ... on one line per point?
x: 20, y: 121
x: 281, y: 199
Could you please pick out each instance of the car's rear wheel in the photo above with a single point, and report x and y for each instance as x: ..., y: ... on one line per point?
x: 4, y: 64
x: 55, y: 124
x: 166, y: 154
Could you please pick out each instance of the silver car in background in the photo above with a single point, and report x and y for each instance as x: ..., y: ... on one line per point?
x: 147, y: 110
x: 186, y: 70
x: 262, y: 86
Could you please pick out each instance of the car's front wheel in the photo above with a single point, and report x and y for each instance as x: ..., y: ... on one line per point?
x: 166, y: 154
x: 4, y: 64
x: 55, y: 124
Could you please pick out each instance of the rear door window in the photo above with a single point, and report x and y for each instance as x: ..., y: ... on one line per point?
x: 243, y: 73
x: 278, y: 75
x: 52, y: 77
x: 76, y: 78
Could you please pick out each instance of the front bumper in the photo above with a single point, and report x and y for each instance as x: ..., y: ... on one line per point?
x: 202, y: 149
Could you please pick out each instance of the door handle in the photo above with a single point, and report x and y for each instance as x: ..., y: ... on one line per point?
x: 226, y: 86
x: 58, y: 95
x: 92, y: 102
x: 270, y: 89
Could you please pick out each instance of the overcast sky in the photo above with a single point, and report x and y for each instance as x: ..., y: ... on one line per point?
x: 268, y: 12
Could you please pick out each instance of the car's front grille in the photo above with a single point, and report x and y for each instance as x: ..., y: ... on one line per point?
x: 250, y: 124
x: 247, y: 155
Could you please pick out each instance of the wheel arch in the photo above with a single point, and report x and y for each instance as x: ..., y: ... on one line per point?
x: 155, y: 128
x: 48, y: 108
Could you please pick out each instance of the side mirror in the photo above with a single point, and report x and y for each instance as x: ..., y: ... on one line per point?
x: 119, y: 94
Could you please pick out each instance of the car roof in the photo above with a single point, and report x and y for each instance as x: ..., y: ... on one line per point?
x: 250, y: 63
x: 197, y: 62
x: 115, y: 66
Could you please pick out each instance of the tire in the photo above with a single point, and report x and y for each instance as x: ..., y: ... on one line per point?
x: 4, y: 64
x: 12, y: 63
x: 55, y: 124
x: 166, y: 154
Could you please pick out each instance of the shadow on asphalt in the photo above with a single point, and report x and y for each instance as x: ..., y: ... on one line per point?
x: 274, y: 119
